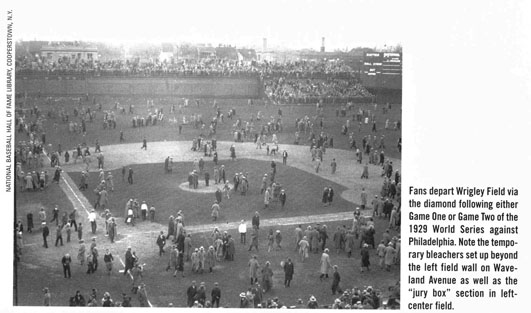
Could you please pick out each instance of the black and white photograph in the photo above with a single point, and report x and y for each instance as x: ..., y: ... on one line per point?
x: 250, y: 166
x: 248, y: 154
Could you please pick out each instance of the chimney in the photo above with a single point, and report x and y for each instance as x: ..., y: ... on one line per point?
x: 264, y: 44
x: 323, y: 44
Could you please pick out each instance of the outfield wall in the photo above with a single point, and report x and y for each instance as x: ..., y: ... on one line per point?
x: 192, y: 87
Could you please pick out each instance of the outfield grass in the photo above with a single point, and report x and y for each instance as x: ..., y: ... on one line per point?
x: 57, y: 131
x: 41, y: 267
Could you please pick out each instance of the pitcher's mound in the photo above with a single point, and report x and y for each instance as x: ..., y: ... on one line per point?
x: 202, y: 188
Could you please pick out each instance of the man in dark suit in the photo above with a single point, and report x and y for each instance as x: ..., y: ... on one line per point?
x: 284, y: 157
x: 45, y: 234
x: 161, y: 241
x: 256, y: 220
x: 129, y: 260
x: 66, y: 265
x: 190, y: 293
x: 288, y: 272
x: 216, y: 295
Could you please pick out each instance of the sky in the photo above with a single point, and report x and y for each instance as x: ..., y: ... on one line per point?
x: 289, y: 24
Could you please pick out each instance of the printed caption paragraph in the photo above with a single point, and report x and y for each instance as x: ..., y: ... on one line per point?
x: 463, y: 244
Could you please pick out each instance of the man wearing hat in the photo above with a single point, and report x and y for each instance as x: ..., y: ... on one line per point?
x: 365, y: 262
x: 55, y: 216
x: 278, y: 240
x: 216, y: 295
x: 215, y: 211
x: 190, y: 294
x: 129, y: 260
x: 288, y: 272
x: 242, y: 229
x: 389, y: 256
x: 335, y: 281
x: 45, y: 234
x: 253, y: 269
x: 256, y: 220
x: 161, y: 242
x: 92, y: 220
x: 66, y: 260
x: 200, y: 295
x: 325, y: 264
x: 312, y: 303
x: 264, y: 184
x: 244, y: 302
x: 282, y: 197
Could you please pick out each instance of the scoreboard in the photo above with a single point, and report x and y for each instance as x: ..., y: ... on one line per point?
x: 382, y: 70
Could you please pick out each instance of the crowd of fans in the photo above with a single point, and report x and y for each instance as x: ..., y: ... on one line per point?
x: 297, y: 82
x: 211, y: 66
x: 282, y: 90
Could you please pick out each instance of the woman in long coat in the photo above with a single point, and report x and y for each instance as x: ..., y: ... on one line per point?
x: 187, y: 247
x: 215, y: 211
x: 267, y: 277
x: 314, y: 237
x: 325, y: 196
x: 231, y: 248
x: 330, y: 195
x: 81, y: 253
x: 195, y: 260
x: 218, y: 195
x: 232, y: 152
x: 337, y: 239
x: 173, y: 261
x: 349, y: 243
x: 288, y: 272
x: 267, y: 197
x: 325, y: 264
x: 210, y: 259
x: 253, y: 269
x: 201, y: 255
x: 218, y: 244
x: 171, y: 227
x: 389, y: 257
x: 303, y: 248
x: 365, y: 262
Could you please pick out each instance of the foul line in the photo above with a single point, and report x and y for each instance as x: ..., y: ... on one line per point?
x: 131, y: 275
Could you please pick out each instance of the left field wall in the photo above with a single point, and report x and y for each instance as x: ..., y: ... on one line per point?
x: 200, y: 87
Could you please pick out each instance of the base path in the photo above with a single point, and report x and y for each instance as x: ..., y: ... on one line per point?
x: 348, y: 170
x: 308, y: 219
x: 143, y: 235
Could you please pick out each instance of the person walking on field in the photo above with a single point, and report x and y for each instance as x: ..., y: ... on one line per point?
x: 325, y: 264
x: 161, y: 242
x: 215, y: 211
x: 144, y: 144
x: 108, y: 259
x: 282, y: 197
x: 242, y: 229
x: 333, y: 166
x: 389, y: 256
x: 288, y: 272
x: 45, y: 234
x: 303, y: 248
x: 254, y: 238
x: 335, y: 281
x: 363, y: 197
x: 365, y: 262
x: 130, y: 176
x: 254, y: 265
x: 66, y: 265
x: 216, y: 295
